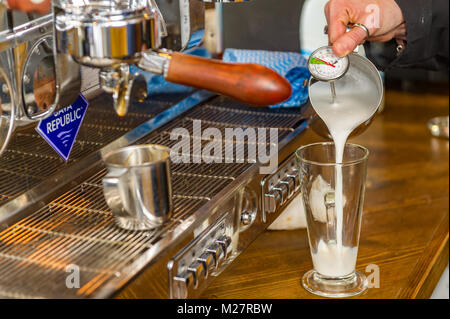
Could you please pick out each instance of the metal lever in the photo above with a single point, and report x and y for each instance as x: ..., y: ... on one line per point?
x: 225, y: 242
x: 208, y: 261
x: 290, y: 184
x: 284, y: 191
x: 198, y: 270
x: 296, y: 177
x: 217, y: 252
x: 273, y: 200
x: 184, y: 282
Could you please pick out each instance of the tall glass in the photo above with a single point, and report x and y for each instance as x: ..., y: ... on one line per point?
x: 333, y: 196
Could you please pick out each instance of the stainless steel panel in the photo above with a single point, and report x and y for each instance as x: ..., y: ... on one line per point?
x: 75, y: 226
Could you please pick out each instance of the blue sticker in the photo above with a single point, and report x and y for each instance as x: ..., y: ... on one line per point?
x: 61, y: 128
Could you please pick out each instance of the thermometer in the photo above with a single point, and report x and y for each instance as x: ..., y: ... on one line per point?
x: 326, y: 66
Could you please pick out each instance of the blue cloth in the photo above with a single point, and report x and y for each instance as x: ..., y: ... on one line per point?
x: 291, y: 65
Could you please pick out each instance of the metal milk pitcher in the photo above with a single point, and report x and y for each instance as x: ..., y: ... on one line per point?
x: 138, y: 186
x: 360, y: 70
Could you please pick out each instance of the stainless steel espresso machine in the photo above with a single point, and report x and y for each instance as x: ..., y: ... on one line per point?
x: 54, y: 221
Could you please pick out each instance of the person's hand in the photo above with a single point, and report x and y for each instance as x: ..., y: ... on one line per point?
x: 40, y: 6
x: 383, y: 19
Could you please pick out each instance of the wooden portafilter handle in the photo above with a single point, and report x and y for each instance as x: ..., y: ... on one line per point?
x: 40, y: 6
x: 249, y: 83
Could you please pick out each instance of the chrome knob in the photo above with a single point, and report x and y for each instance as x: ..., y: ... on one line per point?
x: 184, y: 282
x: 216, y: 251
x: 296, y: 177
x: 272, y: 201
x: 207, y: 259
x: 198, y: 271
x: 225, y: 242
x: 283, y: 189
x: 247, y: 218
x: 290, y: 184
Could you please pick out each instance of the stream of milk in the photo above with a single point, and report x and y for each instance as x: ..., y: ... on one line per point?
x: 351, y: 107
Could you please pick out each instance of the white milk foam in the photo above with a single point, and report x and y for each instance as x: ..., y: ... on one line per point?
x: 330, y: 260
x: 354, y: 104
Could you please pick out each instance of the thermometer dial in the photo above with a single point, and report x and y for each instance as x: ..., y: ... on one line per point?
x: 324, y: 65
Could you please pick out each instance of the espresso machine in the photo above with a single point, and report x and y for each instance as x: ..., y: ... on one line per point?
x: 54, y: 221
x: 108, y: 37
x: 112, y: 35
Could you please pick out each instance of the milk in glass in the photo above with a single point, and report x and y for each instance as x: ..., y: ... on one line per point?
x: 353, y: 105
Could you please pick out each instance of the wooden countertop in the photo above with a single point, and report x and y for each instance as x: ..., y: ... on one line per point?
x: 405, y: 224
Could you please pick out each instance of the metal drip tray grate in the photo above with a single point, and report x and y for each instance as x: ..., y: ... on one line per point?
x: 77, y: 228
x: 29, y: 159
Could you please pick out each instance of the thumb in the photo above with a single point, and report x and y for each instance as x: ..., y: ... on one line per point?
x: 349, y: 41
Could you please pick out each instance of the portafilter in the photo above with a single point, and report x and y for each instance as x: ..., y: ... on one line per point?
x: 113, y: 34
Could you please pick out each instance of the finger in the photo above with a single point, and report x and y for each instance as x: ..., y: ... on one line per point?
x: 349, y: 41
x: 326, y: 10
x: 337, y: 21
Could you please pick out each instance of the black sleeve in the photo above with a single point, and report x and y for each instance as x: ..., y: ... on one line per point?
x: 427, y: 34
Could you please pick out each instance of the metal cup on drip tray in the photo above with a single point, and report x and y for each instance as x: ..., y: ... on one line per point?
x: 138, y: 186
